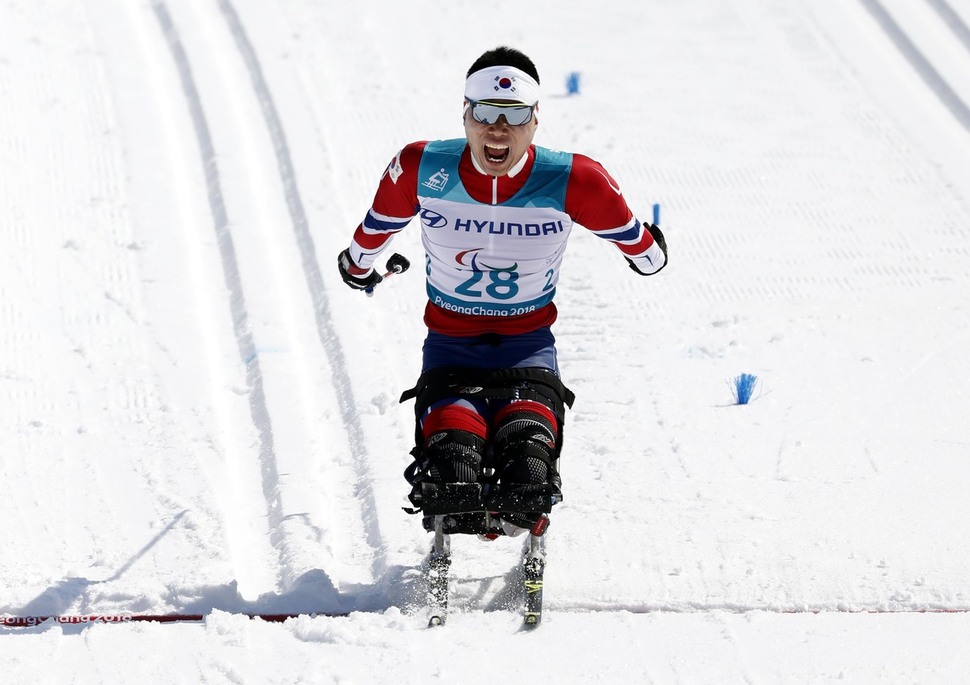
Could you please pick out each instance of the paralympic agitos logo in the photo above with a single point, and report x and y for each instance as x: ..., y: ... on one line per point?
x: 463, y: 259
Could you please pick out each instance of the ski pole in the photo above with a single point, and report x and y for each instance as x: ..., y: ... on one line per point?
x: 397, y: 264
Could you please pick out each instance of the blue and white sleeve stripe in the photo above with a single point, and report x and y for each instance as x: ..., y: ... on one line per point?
x: 627, y: 234
x: 379, y: 223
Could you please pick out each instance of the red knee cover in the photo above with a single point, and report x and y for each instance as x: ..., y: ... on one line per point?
x: 528, y: 406
x: 454, y: 417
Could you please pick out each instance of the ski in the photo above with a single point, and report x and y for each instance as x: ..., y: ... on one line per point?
x: 533, y: 568
x: 532, y: 571
x: 439, y: 564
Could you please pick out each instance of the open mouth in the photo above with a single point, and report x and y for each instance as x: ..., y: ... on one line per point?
x: 496, y: 154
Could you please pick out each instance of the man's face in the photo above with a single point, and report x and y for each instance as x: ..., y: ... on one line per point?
x: 497, y: 147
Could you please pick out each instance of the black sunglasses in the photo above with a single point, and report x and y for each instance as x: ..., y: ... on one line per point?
x: 515, y: 114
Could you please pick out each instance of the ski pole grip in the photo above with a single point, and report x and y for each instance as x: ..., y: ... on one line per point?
x: 397, y: 264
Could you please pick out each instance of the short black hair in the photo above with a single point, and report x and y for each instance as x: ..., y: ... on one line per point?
x: 504, y: 56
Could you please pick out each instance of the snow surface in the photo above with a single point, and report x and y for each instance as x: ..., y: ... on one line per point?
x: 197, y: 417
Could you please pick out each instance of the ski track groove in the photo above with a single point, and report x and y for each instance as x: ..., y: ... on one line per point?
x: 232, y: 277
x: 325, y: 327
x: 247, y: 349
x: 946, y: 94
x: 952, y: 20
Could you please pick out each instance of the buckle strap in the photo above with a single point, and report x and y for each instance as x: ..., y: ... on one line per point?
x: 442, y: 382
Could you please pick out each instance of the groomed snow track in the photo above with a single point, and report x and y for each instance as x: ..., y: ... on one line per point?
x: 295, y: 477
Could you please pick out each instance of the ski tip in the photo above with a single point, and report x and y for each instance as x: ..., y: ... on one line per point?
x: 436, y: 621
x: 531, y: 619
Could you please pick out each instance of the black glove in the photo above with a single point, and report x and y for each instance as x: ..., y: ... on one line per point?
x: 356, y: 281
x: 658, y: 238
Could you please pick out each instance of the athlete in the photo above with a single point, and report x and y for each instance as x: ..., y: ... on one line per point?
x: 496, y: 212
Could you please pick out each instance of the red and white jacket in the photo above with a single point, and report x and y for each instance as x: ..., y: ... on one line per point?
x: 461, y: 254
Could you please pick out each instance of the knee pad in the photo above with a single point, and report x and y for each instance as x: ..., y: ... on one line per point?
x: 454, y: 442
x: 525, y: 442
